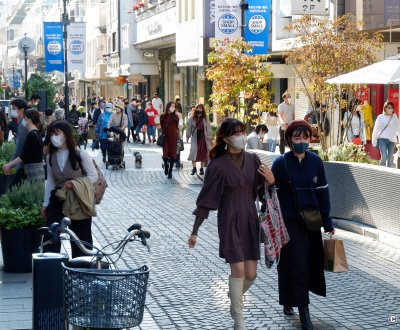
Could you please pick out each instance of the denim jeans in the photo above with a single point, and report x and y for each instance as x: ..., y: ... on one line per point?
x: 103, y: 146
x: 271, y: 145
x: 151, y: 132
x: 386, y: 147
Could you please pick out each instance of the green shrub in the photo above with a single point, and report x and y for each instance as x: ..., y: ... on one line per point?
x: 7, y: 151
x: 349, y: 152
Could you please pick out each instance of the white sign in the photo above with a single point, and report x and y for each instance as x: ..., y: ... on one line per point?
x: 228, y: 22
x: 309, y: 7
x: 77, y: 47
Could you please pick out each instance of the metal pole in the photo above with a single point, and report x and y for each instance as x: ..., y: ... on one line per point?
x: 26, y: 70
x: 65, y: 21
x: 13, y: 66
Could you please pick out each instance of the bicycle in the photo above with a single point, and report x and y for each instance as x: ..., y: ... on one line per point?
x: 95, y: 295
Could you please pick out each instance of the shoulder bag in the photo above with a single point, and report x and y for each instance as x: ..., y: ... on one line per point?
x: 160, y: 138
x: 311, y: 216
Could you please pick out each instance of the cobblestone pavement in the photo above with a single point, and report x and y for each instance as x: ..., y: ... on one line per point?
x: 188, y: 287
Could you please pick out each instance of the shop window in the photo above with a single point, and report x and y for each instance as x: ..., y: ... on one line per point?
x: 114, y: 41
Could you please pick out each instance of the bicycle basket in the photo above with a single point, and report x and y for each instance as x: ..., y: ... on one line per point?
x: 105, y: 298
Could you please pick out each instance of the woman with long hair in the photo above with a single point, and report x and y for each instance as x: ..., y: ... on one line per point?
x: 353, y: 121
x: 169, y: 125
x: 32, y: 150
x: 199, y: 128
x: 385, y: 133
x: 231, y: 183
x: 65, y: 164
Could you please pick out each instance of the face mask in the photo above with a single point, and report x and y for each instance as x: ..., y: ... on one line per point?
x: 300, y: 147
x: 238, y: 141
x: 57, y: 140
x: 198, y: 114
x: 109, y: 110
x: 14, y: 113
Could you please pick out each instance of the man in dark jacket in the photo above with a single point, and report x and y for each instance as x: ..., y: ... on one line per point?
x: 142, y: 119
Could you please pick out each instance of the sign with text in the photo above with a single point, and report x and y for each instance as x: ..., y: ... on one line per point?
x: 257, y: 25
x: 227, y: 19
x: 77, y: 47
x: 209, y: 18
x: 309, y: 7
x: 54, y: 46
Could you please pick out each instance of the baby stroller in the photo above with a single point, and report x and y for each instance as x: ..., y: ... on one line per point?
x: 115, y: 147
x: 82, y: 131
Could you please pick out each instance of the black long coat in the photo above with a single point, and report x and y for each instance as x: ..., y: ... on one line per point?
x: 301, y: 265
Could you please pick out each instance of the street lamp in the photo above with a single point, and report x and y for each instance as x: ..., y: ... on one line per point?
x: 25, y: 48
x: 13, y: 68
x: 65, y: 21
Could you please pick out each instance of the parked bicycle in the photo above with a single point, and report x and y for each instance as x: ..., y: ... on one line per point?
x: 98, y: 295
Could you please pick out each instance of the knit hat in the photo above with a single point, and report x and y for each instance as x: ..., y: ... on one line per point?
x: 295, y: 124
x: 120, y: 105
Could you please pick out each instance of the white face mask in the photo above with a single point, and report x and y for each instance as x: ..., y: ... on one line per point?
x: 57, y: 140
x: 237, y: 141
x: 14, y: 113
x: 109, y: 110
x: 23, y: 122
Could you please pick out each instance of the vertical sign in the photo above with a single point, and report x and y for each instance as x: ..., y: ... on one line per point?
x: 77, y: 47
x: 209, y: 18
x: 53, y: 45
x: 227, y: 19
x: 257, y: 25
x: 309, y: 7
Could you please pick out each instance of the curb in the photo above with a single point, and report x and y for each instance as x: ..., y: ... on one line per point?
x: 368, y: 231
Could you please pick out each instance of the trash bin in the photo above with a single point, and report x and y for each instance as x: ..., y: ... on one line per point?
x: 48, y: 297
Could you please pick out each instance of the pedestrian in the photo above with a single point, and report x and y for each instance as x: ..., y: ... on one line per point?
x: 255, y: 138
x: 46, y: 120
x: 119, y: 118
x: 131, y: 111
x: 199, y: 128
x: 74, y: 115
x: 151, y: 126
x: 98, y: 111
x: 169, y: 126
x: 18, y: 108
x: 300, y: 181
x: 384, y: 134
x: 65, y: 165
x: 103, y: 123
x: 273, y: 129
x: 3, y: 126
x: 230, y: 186
x: 142, y: 120
x: 285, y: 116
x: 353, y: 123
x: 31, y: 158
x: 157, y: 103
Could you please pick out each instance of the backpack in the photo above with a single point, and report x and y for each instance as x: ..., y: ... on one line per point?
x: 100, y: 185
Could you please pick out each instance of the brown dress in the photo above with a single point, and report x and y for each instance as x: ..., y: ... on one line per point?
x: 232, y: 191
x: 169, y: 126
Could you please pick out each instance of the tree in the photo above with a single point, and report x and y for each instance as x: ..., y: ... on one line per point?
x: 37, y: 83
x: 236, y: 75
x: 325, y: 48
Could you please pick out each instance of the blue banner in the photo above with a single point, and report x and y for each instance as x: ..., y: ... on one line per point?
x: 257, y: 25
x: 54, y: 46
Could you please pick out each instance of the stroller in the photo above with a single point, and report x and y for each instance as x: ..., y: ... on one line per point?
x: 115, y: 147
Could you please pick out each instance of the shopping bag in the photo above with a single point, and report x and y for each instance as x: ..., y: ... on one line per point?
x: 334, y: 256
x: 357, y: 140
x: 273, y: 226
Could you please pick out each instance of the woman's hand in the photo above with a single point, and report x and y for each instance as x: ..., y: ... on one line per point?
x: 267, y: 174
x: 68, y: 185
x: 192, y: 241
x: 7, y: 169
x: 43, y: 212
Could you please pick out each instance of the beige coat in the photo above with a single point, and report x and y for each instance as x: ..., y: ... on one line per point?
x: 191, y: 131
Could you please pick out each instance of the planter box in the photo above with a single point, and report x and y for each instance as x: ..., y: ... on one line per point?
x: 17, y: 246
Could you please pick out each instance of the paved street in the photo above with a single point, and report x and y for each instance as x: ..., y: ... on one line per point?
x: 188, y: 287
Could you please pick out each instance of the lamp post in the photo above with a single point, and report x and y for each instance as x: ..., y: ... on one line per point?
x: 243, y: 6
x: 65, y: 21
x: 13, y: 68
x: 25, y: 48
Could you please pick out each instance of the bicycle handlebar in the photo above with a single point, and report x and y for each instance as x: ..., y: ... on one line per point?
x: 55, y: 229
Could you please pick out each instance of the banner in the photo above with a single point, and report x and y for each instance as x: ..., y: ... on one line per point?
x: 77, y: 47
x: 257, y: 25
x: 227, y: 19
x: 54, y: 46
x: 209, y: 18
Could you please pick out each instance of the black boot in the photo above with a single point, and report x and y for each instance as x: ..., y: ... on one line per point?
x: 194, y: 171
x: 201, y: 171
x: 287, y: 310
x: 305, y: 318
x: 171, y: 167
x: 166, y: 166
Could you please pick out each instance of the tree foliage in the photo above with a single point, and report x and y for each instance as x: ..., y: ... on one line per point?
x: 236, y: 74
x: 37, y: 83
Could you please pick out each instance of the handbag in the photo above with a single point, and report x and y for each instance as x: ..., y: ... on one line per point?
x: 335, y: 256
x: 181, y: 146
x: 160, y: 140
x: 310, y: 215
x: 275, y: 235
x: 357, y: 140
x: 100, y: 185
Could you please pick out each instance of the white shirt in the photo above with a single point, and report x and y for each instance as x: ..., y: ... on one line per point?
x: 272, y: 124
x: 391, y: 131
x: 157, y: 103
x: 62, y: 157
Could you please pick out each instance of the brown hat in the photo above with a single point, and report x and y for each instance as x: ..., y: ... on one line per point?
x: 120, y: 105
x: 295, y: 124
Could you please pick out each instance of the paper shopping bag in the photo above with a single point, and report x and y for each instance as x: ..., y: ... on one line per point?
x: 334, y: 256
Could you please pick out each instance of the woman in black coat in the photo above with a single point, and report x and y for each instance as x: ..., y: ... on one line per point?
x: 301, y: 265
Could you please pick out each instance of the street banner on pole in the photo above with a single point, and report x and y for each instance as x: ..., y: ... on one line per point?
x: 227, y: 19
x: 53, y: 45
x: 77, y: 47
x: 209, y: 18
x: 257, y: 25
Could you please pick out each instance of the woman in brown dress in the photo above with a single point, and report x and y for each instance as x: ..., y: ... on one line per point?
x: 169, y: 125
x: 231, y: 182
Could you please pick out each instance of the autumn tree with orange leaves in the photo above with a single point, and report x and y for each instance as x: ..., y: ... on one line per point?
x: 239, y: 81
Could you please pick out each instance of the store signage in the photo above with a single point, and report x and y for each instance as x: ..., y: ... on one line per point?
x: 227, y: 19
x: 209, y: 18
x: 309, y: 7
